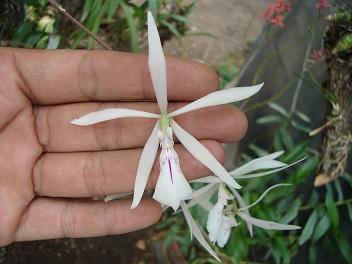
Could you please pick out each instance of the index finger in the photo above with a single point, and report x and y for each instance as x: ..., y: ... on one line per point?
x: 65, y: 76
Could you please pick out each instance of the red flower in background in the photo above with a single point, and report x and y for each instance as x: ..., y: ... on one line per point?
x: 274, y: 14
x: 316, y: 55
x: 321, y: 4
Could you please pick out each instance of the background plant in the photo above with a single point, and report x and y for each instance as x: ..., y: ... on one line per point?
x: 121, y: 22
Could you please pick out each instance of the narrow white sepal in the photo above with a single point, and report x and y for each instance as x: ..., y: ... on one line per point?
x: 266, y: 224
x: 116, y: 196
x: 206, y: 205
x: 200, y: 191
x: 263, y: 195
x: 257, y: 165
x: 219, y: 98
x: 246, y: 211
x: 108, y: 114
x: 145, y: 165
x: 196, y: 232
x: 207, y: 179
x: 202, y: 154
x: 157, y: 64
x: 203, y: 199
x: 260, y: 174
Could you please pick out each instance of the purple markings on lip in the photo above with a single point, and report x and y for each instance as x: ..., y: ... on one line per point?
x: 168, y: 160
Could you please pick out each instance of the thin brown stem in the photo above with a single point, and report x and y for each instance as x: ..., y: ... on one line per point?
x: 63, y: 11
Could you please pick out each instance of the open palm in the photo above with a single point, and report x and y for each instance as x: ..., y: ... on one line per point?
x: 50, y: 169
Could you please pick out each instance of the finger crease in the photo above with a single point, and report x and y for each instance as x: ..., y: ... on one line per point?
x: 25, y: 87
x: 87, y: 78
x: 67, y: 220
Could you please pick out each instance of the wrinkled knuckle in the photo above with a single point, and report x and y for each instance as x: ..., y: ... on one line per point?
x: 94, y: 174
x: 42, y: 125
x: 37, y: 176
x: 68, y: 222
x: 87, y: 77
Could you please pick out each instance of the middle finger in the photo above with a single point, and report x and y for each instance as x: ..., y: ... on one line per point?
x: 85, y: 174
x: 56, y: 134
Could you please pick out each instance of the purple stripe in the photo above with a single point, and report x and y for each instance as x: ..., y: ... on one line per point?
x: 168, y: 160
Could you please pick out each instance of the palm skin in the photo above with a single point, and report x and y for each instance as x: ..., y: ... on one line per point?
x: 49, y: 168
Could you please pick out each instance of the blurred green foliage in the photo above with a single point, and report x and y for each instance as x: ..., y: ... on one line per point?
x: 121, y: 22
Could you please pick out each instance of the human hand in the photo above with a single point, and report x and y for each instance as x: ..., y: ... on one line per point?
x: 48, y: 167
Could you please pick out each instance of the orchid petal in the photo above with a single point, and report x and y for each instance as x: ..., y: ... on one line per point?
x: 257, y: 165
x: 225, y: 231
x: 243, y: 204
x: 145, y: 165
x: 272, y: 156
x: 219, y: 98
x: 260, y: 174
x: 206, y: 205
x: 266, y: 224
x: 207, y: 179
x: 203, y: 200
x: 172, y: 186
x: 200, y: 191
x: 196, y: 232
x: 214, y: 221
x: 157, y: 64
x: 215, y: 216
x: 263, y: 195
x: 202, y: 154
x: 108, y: 114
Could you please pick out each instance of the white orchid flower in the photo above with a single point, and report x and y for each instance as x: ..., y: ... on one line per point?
x: 221, y: 217
x: 171, y: 187
x: 218, y: 224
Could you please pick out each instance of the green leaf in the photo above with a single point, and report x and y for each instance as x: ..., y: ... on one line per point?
x: 179, y: 18
x: 322, y: 227
x: 303, y: 116
x: 349, y: 210
x: 172, y: 29
x: 332, y: 209
x: 297, y: 152
x: 54, y: 41
x: 309, y: 227
x: 291, y: 213
x: 278, y: 108
x: 113, y: 5
x: 286, y: 138
x: 131, y: 25
x: 269, y: 119
x: 153, y: 7
x: 312, y: 254
x: 86, y: 9
x: 338, y: 189
x: 97, y: 22
x: 277, y: 141
x: 300, y: 127
x: 344, y: 246
x: 306, y: 169
x: 257, y: 150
